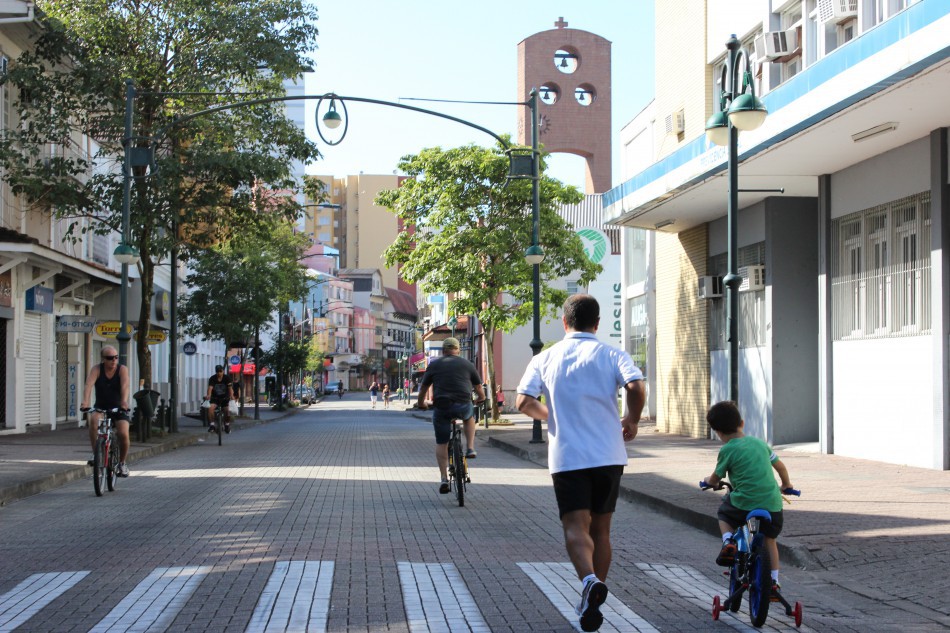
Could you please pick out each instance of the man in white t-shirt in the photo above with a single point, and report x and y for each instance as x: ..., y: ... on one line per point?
x: 579, y: 378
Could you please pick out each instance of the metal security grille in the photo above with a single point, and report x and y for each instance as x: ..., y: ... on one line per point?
x: 3, y: 373
x: 751, y: 304
x: 31, y: 348
x: 880, y: 271
x: 62, y: 375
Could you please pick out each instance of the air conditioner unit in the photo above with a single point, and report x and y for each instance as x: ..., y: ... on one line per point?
x: 675, y: 122
x: 775, y: 44
x: 829, y: 10
x: 710, y: 287
x: 753, y: 278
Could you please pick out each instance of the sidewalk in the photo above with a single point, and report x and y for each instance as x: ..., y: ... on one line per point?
x: 31, y: 463
x: 879, y: 530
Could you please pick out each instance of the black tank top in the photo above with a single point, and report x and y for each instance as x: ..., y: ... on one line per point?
x: 108, y: 390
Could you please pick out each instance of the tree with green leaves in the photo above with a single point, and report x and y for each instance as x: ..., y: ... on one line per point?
x: 235, y: 286
x: 210, y: 176
x: 469, y: 227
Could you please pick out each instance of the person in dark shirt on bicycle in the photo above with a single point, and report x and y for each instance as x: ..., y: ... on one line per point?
x: 452, y: 379
x: 219, y: 394
x: 111, y: 381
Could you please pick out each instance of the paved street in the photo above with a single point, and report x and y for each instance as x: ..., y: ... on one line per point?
x: 329, y: 519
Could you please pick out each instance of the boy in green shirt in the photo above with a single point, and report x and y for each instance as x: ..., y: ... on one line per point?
x: 748, y: 462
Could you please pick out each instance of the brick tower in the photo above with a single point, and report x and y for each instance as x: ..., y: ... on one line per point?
x: 571, y: 70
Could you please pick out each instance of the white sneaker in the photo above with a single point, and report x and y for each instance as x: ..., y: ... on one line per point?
x: 123, y: 470
x: 594, y: 595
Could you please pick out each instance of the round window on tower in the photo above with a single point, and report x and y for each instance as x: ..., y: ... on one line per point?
x: 585, y: 94
x: 550, y: 93
x: 566, y: 60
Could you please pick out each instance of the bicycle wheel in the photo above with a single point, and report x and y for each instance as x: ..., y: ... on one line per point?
x: 99, y: 467
x: 760, y: 586
x: 458, y: 467
x: 219, y: 423
x: 112, y: 465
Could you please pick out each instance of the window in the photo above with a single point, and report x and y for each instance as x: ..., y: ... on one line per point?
x: 752, y: 317
x: 881, y: 271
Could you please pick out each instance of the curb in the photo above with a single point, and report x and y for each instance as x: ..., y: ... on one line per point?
x: 9, y: 494
x: 791, y: 551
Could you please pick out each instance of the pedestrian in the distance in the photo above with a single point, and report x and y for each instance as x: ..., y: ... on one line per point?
x: 374, y: 393
x: 586, y: 452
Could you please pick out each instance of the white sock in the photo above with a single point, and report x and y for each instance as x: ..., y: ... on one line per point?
x: 589, y: 578
x: 726, y: 536
x: 775, y: 575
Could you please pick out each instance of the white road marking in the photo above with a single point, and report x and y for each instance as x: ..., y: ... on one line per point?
x: 699, y: 590
x: 296, y: 598
x: 437, y: 600
x: 558, y: 582
x: 30, y: 596
x: 153, y: 604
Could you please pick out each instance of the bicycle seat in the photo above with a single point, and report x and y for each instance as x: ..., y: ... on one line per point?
x: 759, y: 514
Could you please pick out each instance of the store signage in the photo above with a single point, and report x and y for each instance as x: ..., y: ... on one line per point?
x: 110, y: 329
x: 6, y: 290
x: 75, y: 323
x: 39, y: 299
x: 154, y: 336
x: 189, y: 348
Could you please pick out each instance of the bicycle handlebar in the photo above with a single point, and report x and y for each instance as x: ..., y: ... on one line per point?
x: 98, y: 410
x: 725, y: 484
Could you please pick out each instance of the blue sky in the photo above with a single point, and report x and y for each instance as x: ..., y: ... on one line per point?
x: 445, y: 49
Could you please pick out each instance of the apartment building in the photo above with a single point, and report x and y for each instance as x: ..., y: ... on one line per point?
x: 843, y: 319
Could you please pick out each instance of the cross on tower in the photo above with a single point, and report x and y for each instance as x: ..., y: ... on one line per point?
x: 560, y: 23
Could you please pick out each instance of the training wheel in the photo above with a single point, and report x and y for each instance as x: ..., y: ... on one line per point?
x: 798, y: 613
x: 717, y: 607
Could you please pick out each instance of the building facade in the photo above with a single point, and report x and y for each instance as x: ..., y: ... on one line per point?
x: 845, y: 272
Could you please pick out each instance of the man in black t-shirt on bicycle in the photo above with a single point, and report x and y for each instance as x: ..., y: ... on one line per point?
x: 220, y: 394
x: 452, y: 379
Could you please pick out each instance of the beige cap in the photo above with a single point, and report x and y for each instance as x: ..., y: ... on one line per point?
x: 451, y: 342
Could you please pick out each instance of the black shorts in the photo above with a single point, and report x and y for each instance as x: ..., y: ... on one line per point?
x: 593, y: 489
x: 735, y: 517
x: 116, y: 417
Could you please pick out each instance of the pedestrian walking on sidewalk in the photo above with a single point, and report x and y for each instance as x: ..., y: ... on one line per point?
x: 748, y: 462
x: 586, y: 452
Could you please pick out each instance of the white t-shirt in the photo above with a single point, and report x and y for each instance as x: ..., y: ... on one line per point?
x: 579, y: 378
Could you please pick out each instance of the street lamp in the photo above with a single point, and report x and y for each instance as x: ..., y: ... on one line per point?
x: 738, y: 110
x: 452, y: 323
x: 125, y: 253
x: 535, y: 255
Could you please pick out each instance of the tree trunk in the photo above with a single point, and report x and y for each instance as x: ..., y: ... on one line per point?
x: 490, y: 360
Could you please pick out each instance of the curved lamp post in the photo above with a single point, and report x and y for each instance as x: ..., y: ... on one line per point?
x: 739, y: 109
x: 521, y: 166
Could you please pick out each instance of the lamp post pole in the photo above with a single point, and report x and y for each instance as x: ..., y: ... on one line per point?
x: 739, y: 109
x: 123, y: 336
x: 536, y: 343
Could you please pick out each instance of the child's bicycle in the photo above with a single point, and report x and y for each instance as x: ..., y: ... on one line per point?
x: 752, y: 570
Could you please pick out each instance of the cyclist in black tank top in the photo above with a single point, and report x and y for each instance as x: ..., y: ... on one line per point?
x: 111, y: 381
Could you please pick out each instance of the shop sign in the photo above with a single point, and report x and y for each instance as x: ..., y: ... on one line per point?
x: 154, y: 336
x: 39, y: 299
x: 6, y: 290
x: 189, y: 348
x: 75, y: 323
x: 110, y: 329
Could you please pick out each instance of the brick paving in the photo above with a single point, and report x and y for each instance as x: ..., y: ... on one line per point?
x: 357, y: 488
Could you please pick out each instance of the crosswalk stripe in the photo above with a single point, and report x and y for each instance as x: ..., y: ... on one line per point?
x: 296, y: 598
x: 558, y: 582
x: 437, y: 600
x: 154, y: 603
x: 30, y: 596
x: 698, y: 589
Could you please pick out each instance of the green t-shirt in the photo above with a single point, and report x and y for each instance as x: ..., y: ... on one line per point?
x: 747, y: 461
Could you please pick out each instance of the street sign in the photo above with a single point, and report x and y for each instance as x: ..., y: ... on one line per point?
x: 189, y: 348
x: 235, y: 359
